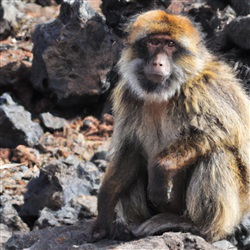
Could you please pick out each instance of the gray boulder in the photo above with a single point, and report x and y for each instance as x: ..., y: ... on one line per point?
x: 52, y: 122
x: 16, y: 125
x: 62, y: 194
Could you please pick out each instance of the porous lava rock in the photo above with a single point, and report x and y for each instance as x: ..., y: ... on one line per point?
x: 73, y: 55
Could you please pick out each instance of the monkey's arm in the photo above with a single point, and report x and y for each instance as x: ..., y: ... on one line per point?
x: 185, y: 151
x: 168, y: 171
x: 122, y: 171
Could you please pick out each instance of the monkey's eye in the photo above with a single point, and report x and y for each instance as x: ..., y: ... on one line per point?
x: 170, y: 44
x: 153, y: 42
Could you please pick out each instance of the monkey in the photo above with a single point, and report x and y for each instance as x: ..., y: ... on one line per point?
x: 180, y: 149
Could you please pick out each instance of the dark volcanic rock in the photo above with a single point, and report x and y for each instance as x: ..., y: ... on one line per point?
x: 76, y: 237
x: 61, y: 194
x: 234, y: 44
x: 16, y: 124
x: 51, y: 238
x: 238, y: 32
x: 117, y: 13
x: 72, y: 55
x: 218, y: 4
x: 228, y: 36
x: 234, y: 35
x: 241, y: 7
x: 48, y: 2
x: 241, y: 237
x: 15, y: 77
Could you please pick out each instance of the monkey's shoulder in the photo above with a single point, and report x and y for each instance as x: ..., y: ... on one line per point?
x: 216, y: 86
x: 215, y: 102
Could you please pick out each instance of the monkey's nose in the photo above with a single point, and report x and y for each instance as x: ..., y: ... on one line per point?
x: 156, y: 64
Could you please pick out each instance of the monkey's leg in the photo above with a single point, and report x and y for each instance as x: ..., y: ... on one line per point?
x: 132, y: 209
x: 218, y: 194
x: 122, y: 171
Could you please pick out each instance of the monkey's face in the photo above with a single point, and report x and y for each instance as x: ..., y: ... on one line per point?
x: 164, y: 51
x: 151, y: 71
x: 158, y: 52
x: 156, y: 71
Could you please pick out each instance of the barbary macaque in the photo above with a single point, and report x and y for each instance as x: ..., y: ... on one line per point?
x: 180, y: 151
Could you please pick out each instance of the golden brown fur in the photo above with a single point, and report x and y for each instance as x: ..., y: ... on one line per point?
x: 190, y: 147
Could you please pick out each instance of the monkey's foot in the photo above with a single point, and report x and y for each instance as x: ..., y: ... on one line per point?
x: 98, y: 233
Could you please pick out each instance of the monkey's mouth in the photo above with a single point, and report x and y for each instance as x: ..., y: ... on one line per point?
x: 156, y: 78
x: 152, y: 81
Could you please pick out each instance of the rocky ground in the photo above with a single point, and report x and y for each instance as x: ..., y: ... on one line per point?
x: 55, y: 131
x: 30, y: 140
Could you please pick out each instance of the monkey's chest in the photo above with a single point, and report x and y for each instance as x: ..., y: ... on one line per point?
x: 156, y: 133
